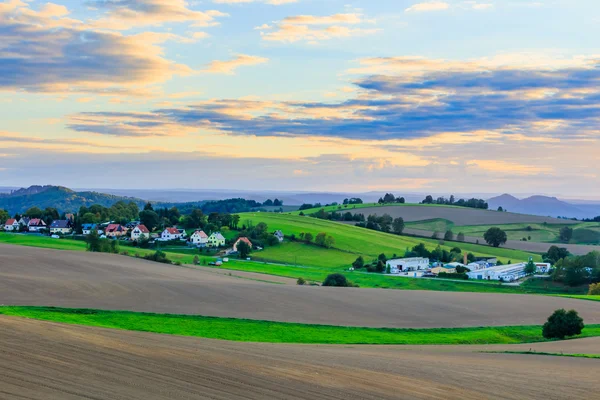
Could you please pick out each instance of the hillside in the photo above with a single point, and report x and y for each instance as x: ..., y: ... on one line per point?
x: 543, y: 206
x: 61, y: 198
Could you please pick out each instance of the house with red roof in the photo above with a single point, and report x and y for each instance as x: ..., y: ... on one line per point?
x: 242, y: 239
x: 36, y: 225
x: 115, y: 230
x: 140, y: 232
x: 11, y: 225
x: 170, y: 234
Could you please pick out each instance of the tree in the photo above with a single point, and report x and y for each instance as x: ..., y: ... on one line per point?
x: 337, y: 280
x: 594, y: 289
x: 150, y: 219
x: 148, y: 207
x: 3, y: 216
x: 400, y: 200
x: 243, y: 249
x: 329, y: 242
x: 301, y: 281
x: 389, y: 198
x: 34, y: 212
x: 388, y: 269
x: 565, y: 234
x: 495, y: 237
x: 500, y: 209
x: 555, y: 253
x: 562, y: 324
x: 530, y: 268
x: 449, y: 235
x: 320, y: 239
x: 428, y: 200
x: 93, y: 242
x: 380, y: 266
x: 308, y: 237
x: 196, y: 260
x: 435, y: 235
x: 398, y: 225
x: 358, y: 263
x: 460, y: 237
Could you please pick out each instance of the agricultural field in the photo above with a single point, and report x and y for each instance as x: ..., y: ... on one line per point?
x: 368, y: 243
x: 144, y: 365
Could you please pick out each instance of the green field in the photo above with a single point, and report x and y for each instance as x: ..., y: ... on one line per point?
x: 279, y: 332
x: 342, y: 208
x: 437, y: 224
x: 365, y: 242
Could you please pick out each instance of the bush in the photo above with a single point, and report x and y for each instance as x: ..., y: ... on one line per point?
x: 449, y: 275
x: 337, y: 280
x: 196, y: 260
x: 594, y: 289
x: 562, y: 324
x: 158, y: 256
x: 301, y: 281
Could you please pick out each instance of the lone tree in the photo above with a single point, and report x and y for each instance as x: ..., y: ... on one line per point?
x: 359, y: 262
x: 530, y: 268
x: 338, y: 280
x: 495, y: 237
x: 562, y: 324
x: 460, y: 237
x: 565, y: 234
x: 449, y: 235
x: 243, y: 249
x: 398, y: 225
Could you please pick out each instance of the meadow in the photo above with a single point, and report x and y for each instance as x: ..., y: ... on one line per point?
x: 243, y: 330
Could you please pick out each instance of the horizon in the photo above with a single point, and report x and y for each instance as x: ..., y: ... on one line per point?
x: 423, y: 96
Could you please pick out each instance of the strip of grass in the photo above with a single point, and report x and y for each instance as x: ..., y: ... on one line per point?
x: 278, y: 332
x: 537, y: 353
x: 581, y: 297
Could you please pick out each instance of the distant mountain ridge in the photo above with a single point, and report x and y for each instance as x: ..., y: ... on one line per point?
x: 61, y: 198
x: 544, y: 206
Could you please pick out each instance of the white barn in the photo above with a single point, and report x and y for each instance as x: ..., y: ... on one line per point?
x: 407, y: 264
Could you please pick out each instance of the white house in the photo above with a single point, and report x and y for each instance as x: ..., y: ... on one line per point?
x: 216, y: 240
x: 170, y: 234
x: 279, y: 235
x: 407, y: 264
x: 507, y: 273
x: 140, y: 232
x: 199, y: 238
x: 11, y: 225
x: 24, y: 221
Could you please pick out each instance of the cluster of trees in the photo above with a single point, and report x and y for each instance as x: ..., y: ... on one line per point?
x: 195, y: 219
x: 385, y: 223
x: 390, y: 198
x: 120, y: 212
x: 270, y: 203
x: 97, y: 245
x: 565, y: 234
x: 352, y: 201
x: 346, y: 203
x: 259, y: 234
x: 321, y: 239
x: 578, y: 270
x: 4, y: 216
x: 378, y: 265
x: 338, y: 216
x: 471, y: 203
x: 595, y: 219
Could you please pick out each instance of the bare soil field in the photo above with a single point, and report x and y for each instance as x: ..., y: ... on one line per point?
x: 534, y: 247
x: 43, y: 277
x: 458, y: 215
x: 43, y: 360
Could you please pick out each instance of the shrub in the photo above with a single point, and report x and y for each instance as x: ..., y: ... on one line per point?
x: 562, y: 324
x: 158, y: 256
x: 594, y: 289
x: 301, y: 281
x: 178, y: 263
x: 450, y: 275
x: 359, y: 263
x: 196, y: 260
x: 337, y: 280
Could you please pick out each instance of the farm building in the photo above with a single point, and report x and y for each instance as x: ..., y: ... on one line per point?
x: 508, y: 273
x: 140, y: 232
x: 444, y: 268
x: 62, y: 226
x: 242, y: 239
x: 170, y: 234
x: 11, y: 225
x: 24, y: 221
x: 199, y: 238
x: 407, y: 264
x: 216, y: 240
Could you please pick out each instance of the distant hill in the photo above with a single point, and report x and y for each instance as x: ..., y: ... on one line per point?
x: 61, y: 198
x: 544, y: 206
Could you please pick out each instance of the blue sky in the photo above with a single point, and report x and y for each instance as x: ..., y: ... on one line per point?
x: 441, y: 96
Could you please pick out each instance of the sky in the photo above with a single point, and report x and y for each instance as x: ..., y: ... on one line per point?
x: 441, y: 96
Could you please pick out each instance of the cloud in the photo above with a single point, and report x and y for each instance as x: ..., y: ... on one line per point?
x: 46, y: 51
x: 129, y: 14
x: 465, y: 97
x: 428, y: 6
x: 229, y: 66
x: 314, y: 29
x: 272, y: 2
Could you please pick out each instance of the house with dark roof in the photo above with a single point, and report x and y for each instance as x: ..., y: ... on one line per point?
x: 115, y: 231
x: 279, y: 235
x: 86, y: 229
x: 36, y: 225
x: 62, y: 226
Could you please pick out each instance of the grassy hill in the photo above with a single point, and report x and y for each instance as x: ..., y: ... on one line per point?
x: 351, y: 241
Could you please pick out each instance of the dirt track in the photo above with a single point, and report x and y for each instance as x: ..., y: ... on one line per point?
x: 458, y: 215
x: 42, y: 360
x: 32, y: 276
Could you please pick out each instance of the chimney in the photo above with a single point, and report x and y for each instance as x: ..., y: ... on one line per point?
x: 465, y: 259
